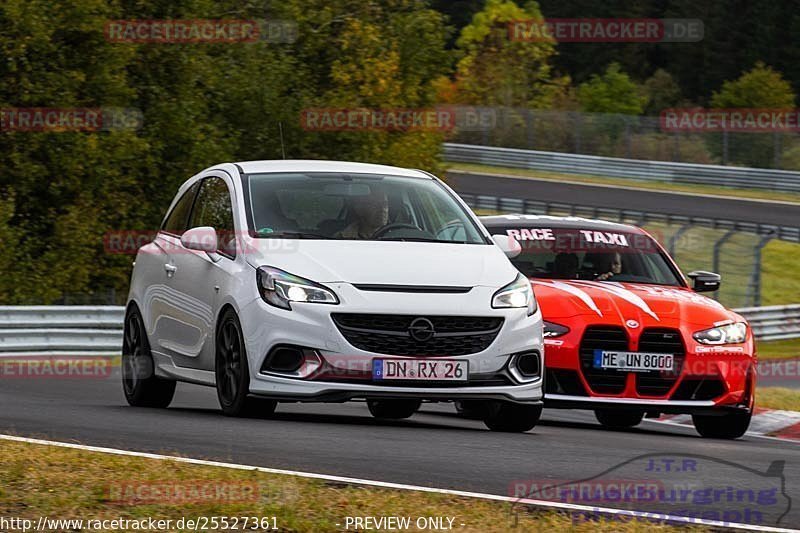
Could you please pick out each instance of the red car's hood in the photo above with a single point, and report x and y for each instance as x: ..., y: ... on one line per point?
x: 616, y: 303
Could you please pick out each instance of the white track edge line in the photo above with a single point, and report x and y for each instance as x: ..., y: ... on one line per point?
x: 402, y: 486
x: 627, y: 187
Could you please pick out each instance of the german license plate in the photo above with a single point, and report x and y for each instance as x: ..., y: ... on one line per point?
x: 420, y: 369
x: 633, y: 361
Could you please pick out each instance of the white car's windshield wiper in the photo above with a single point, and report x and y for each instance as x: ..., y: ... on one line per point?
x: 292, y: 235
x: 423, y: 239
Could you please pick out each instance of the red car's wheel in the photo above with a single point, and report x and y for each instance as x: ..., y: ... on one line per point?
x: 728, y: 426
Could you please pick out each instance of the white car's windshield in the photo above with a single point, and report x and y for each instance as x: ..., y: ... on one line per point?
x: 591, y: 254
x: 356, y: 207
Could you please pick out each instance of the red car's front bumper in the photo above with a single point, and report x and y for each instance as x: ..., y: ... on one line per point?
x: 707, y: 379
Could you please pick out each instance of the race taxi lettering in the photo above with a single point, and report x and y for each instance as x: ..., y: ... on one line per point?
x: 604, y: 237
x: 532, y: 234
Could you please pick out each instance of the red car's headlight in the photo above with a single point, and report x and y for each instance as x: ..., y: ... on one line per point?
x: 728, y: 334
x: 552, y: 330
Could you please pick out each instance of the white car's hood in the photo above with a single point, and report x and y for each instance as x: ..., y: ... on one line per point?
x: 386, y: 263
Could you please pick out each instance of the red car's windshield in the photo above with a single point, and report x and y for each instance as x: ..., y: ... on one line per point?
x: 591, y: 254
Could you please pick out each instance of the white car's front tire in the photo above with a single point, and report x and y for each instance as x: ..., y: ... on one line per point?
x: 233, y: 373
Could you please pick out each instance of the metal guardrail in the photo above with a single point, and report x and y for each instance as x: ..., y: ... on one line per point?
x: 639, y: 218
x: 84, y: 330
x: 662, y: 171
x: 61, y: 330
x: 774, y: 322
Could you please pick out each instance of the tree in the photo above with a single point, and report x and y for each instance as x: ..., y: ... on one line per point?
x: 201, y: 103
x: 497, y: 70
x: 611, y: 92
x: 759, y: 87
x: 661, y: 91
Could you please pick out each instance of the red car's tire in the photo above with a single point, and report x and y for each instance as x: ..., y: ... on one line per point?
x: 728, y: 426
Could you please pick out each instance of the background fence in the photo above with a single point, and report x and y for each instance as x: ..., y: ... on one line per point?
x: 97, y: 330
x: 626, y: 136
x: 733, y: 249
x: 697, y: 174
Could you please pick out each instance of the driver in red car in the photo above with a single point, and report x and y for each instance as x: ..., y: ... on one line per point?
x: 610, y: 265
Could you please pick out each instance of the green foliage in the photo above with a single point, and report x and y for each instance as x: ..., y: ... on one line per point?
x: 662, y: 92
x: 496, y: 70
x: 611, y: 92
x: 760, y: 87
x: 202, y: 104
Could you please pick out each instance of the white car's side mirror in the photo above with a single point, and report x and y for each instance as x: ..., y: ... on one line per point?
x: 508, y: 244
x: 203, y: 239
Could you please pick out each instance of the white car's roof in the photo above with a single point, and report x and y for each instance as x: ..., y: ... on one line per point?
x: 308, y: 165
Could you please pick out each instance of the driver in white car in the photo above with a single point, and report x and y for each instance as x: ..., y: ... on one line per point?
x: 367, y: 214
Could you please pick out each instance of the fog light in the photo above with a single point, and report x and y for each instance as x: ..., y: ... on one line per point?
x: 526, y: 367
x: 291, y: 361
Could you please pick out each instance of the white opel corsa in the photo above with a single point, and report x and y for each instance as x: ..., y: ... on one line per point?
x: 323, y: 281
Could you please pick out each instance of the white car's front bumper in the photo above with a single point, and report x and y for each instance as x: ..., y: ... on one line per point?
x: 311, y: 326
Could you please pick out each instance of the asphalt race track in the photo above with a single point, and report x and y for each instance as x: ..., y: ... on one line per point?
x: 433, y: 448
x: 764, y: 212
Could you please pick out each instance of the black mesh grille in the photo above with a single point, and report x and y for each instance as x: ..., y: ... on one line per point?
x: 558, y: 381
x: 603, y: 381
x: 699, y: 389
x: 660, y: 340
x: 388, y: 334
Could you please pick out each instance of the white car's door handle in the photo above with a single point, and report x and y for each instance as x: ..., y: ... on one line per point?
x: 170, y: 269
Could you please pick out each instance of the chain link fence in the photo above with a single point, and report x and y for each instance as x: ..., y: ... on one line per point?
x: 705, y: 244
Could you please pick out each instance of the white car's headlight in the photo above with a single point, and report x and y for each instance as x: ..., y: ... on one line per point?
x: 727, y: 334
x: 278, y: 288
x: 518, y: 293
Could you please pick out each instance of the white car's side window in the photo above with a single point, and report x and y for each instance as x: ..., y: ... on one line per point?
x: 213, y: 208
x: 177, y: 220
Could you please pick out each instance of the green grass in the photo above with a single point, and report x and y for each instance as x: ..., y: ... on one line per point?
x: 61, y: 483
x: 780, y: 275
x: 759, y: 194
x: 788, y: 349
x: 778, y: 398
